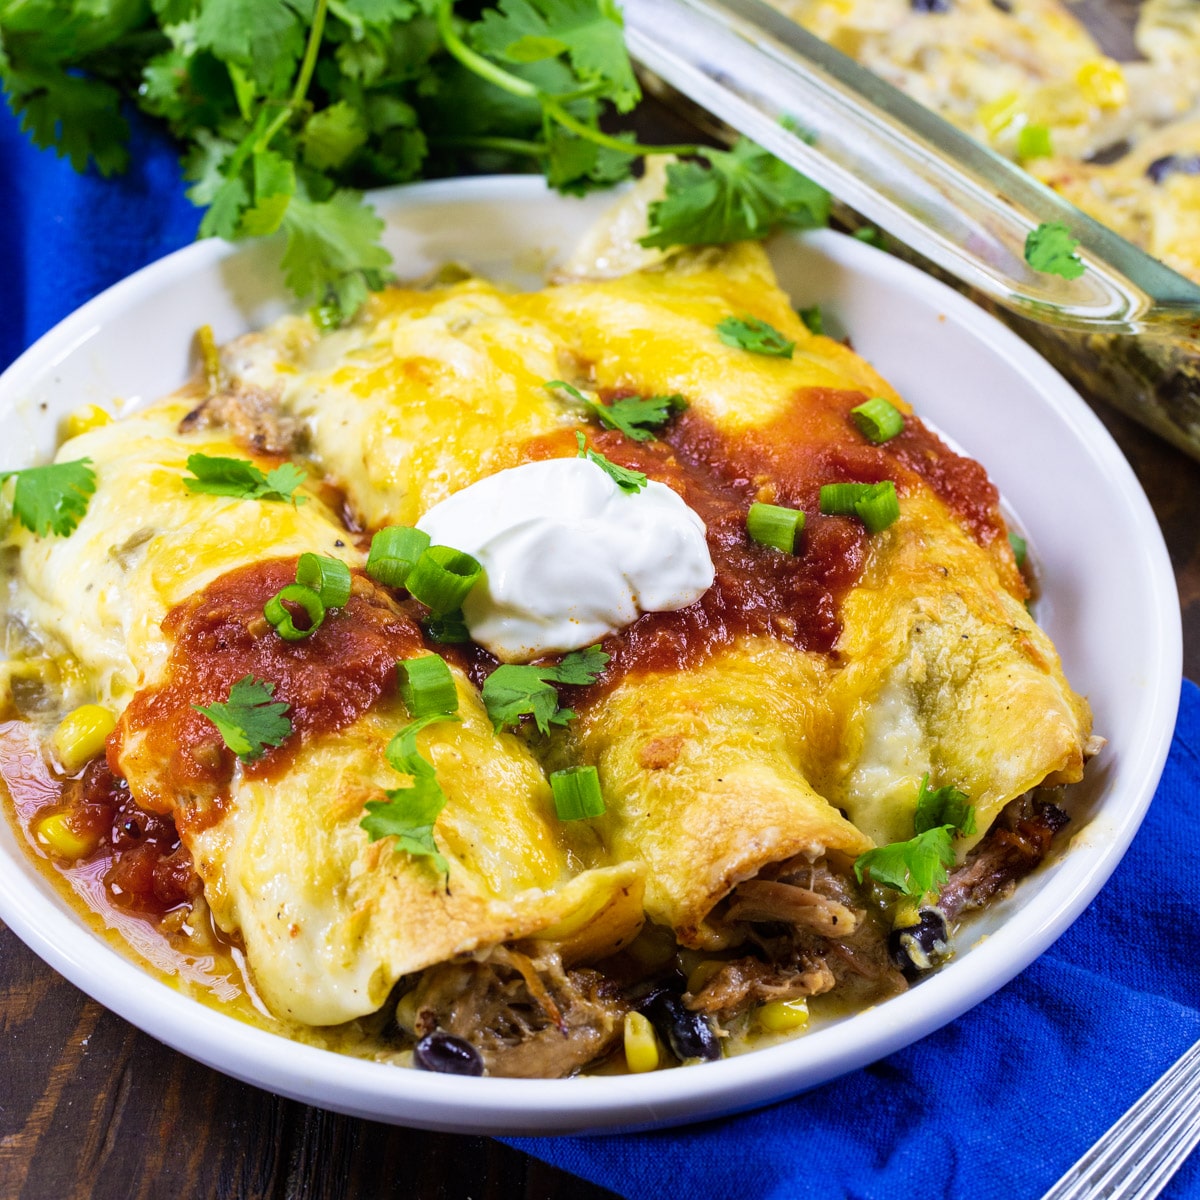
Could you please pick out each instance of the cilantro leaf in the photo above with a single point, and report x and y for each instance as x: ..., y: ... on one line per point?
x: 749, y: 333
x: 52, y: 499
x: 943, y: 806
x: 913, y: 867
x: 248, y: 721
x: 410, y: 813
x: 634, y: 416
x: 511, y: 692
x: 332, y: 136
x: 588, y: 32
x: 1051, y: 249
x: 80, y: 118
x: 576, y: 165
x: 333, y: 253
x: 265, y: 38
x: 623, y: 477
x: 742, y: 193
x: 581, y: 667
x: 216, y: 476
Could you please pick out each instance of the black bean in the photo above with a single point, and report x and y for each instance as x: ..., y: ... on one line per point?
x: 918, y: 948
x: 1173, y: 164
x: 447, y: 1054
x: 930, y: 6
x: 688, y: 1033
x: 1004, y: 6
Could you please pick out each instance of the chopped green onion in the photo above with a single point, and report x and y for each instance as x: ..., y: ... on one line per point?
x: 875, y: 504
x: 839, y: 499
x: 878, y: 420
x: 281, y: 619
x: 328, y: 577
x: 577, y: 793
x: 443, y: 577
x: 773, y: 525
x: 427, y: 687
x: 1017, y: 542
x: 447, y: 629
x: 879, y: 507
x: 813, y: 321
x: 870, y: 235
x: 1033, y: 142
x: 394, y: 553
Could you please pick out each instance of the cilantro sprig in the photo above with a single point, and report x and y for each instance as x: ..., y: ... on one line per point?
x: 285, y: 109
x: 637, y: 417
x: 52, y: 499
x: 410, y: 813
x: 626, y: 479
x: 1052, y: 250
x: 921, y: 864
x: 249, y: 719
x: 742, y: 193
x: 215, y: 476
x: 511, y: 692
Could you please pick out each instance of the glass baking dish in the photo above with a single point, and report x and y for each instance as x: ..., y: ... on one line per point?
x: 1126, y: 332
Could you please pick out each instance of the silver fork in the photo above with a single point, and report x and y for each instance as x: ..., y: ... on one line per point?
x: 1136, y: 1157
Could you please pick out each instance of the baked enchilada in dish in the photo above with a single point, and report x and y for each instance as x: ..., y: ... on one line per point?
x: 528, y: 683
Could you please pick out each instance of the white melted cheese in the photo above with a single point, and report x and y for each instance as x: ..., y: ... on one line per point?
x: 568, y: 556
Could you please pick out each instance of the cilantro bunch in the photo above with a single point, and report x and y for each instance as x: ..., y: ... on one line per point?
x: 285, y: 110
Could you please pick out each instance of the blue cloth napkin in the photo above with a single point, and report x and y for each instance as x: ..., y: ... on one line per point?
x: 996, y: 1105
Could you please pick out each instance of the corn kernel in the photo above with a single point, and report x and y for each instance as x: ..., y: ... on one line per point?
x: 56, y: 834
x: 1103, y: 83
x: 999, y: 114
x: 702, y: 973
x: 84, y: 420
x: 782, y: 1015
x: 641, y: 1045
x: 81, y: 736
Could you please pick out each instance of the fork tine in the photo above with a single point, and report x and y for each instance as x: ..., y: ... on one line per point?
x: 1134, y: 1159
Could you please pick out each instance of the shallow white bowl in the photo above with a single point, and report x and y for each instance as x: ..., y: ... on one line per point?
x: 1109, y: 603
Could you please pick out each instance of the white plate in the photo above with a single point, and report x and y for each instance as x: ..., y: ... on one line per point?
x: 1110, y: 605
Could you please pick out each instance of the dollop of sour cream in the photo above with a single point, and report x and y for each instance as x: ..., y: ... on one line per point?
x: 569, y: 556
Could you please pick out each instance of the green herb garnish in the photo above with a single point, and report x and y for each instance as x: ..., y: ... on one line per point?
x: 410, y: 813
x: 249, y: 720
x: 741, y: 193
x: 52, y: 499
x: 637, y: 417
x: 285, y: 109
x: 943, y: 806
x: 1052, y: 250
x: 749, y: 333
x: 920, y: 865
x: 511, y: 692
x: 241, y: 478
x: 623, y: 477
x: 913, y: 867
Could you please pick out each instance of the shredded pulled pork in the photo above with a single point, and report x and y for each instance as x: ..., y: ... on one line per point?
x: 811, y: 935
x: 1015, y: 844
x: 249, y: 413
x: 528, y: 1017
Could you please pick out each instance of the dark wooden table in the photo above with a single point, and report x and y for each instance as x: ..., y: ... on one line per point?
x: 90, y: 1107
